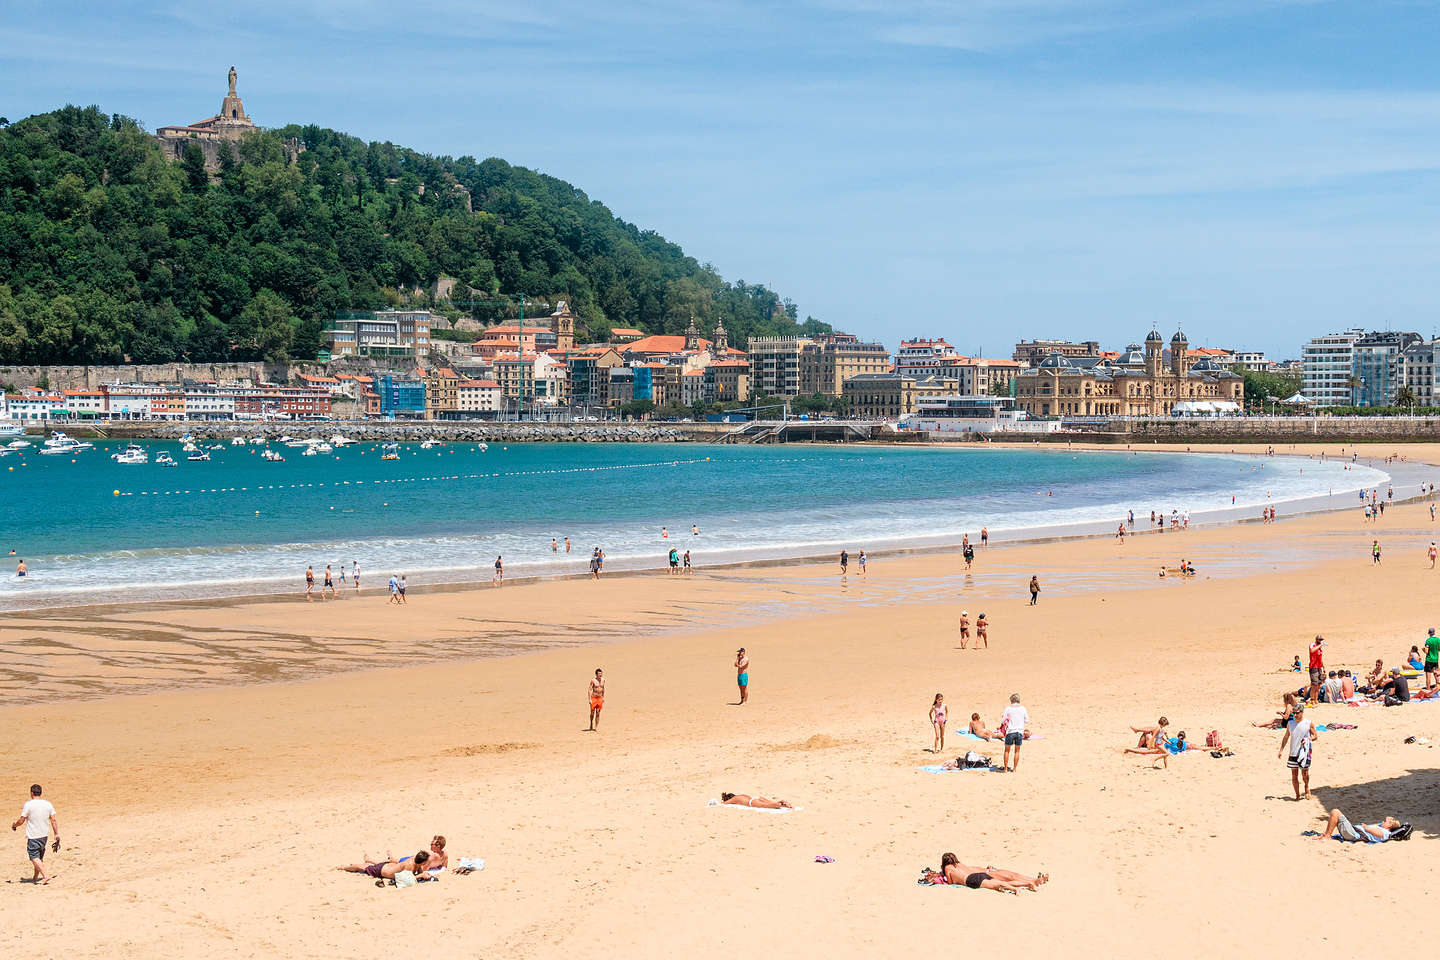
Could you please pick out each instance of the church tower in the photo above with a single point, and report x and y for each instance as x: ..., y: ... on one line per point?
x: 692, y: 336
x: 563, y: 323
x: 231, y: 109
x: 722, y: 339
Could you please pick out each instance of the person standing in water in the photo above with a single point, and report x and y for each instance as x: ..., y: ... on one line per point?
x: 984, y: 536
x: 742, y: 675
x: 499, y: 577
x: 355, y: 574
x: 687, y: 563
x: 309, y: 584
x: 328, y: 585
x: 844, y: 562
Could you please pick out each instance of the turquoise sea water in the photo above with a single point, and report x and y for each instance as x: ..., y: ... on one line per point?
x: 239, y: 524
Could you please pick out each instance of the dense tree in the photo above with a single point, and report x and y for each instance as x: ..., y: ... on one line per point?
x: 109, y: 251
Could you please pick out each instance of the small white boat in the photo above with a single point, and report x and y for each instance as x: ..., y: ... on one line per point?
x: 132, y: 454
x: 59, y: 439
x: 59, y: 451
x: 188, y: 447
x: 9, y: 428
x: 198, y: 455
x: 268, y: 454
x: 237, y: 442
x: 390, y: 451
x: 340, y: 441
x: 257, y: 441
x: 324, y: 448
x: 429, y: 444
x: 309, y: 452
x: 19, y: 444
x: 164, y: 459
x: 484, y: 446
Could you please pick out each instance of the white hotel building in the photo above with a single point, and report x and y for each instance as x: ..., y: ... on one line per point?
x: 1327, y: 368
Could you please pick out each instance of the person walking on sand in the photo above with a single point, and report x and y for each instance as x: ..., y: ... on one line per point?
x: 39, y: 818
x: 595, y: 564
x: 394, y: 590
x: 1034, y: 589
x: 844, y: 562
x: 937, y: 720
x: 674, y: 562
x: 687, y: 563
x: 1432, y: 554
x: 499, y: 576
x: 309, y: 584
x: 355, y: 574
x: 1300, y: 734
x: 597, y: 698
x: 742, y: 675
x: 860, y: 560
x: 1375, y: 552
x: 964, y: 628
x: 984, y: 536
x: 401, y: 588
x: 982, y: 628
x: 1013, y: 723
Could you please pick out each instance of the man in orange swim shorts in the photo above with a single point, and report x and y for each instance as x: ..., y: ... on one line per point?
x: 597, y: 698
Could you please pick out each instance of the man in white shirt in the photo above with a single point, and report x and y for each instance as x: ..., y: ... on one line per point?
x: 39, y: 819
x: 1300, y: 735
x: 1015, y: 720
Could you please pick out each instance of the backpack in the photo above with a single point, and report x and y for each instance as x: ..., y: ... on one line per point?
x: 1212, y: 740
x: 1402, y: 832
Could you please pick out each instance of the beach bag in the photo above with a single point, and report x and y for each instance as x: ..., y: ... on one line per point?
x: 1212, y: 740
x: 972, y: 760
x: 1391, y: 701
x: 1402, y: 832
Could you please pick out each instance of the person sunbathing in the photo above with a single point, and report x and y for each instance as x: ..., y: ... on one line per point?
x: 387, y: 869
x: 1149, y: 735
x: 438, y: 860
x: 762, y: 803
x: 955, y: 873
x: 1426, y: 693
x: 1287, y: 710
x: 1365, y: 832
x: 977, y: 729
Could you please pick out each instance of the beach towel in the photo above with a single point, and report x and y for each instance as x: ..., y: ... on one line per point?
x: 970, y: 736
x: 469, y: 864
x: 940, y: 768
x: 715, y: 802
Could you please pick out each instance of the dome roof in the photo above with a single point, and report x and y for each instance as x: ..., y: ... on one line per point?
x: 1154, y: 337
x: 1178, y: 338
x: 1132, y: 357
x: 1055, y: 362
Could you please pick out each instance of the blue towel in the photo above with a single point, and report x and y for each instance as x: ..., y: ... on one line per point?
x: 940, y: 768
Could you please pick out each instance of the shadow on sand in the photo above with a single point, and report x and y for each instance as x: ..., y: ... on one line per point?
x: 1411, y: 798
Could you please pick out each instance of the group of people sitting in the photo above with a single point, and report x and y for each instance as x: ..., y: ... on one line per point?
x: 954, y: 873
x: 1155, y: 741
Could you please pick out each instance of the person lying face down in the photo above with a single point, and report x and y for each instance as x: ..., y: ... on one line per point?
x: 763, y: 803
x: 387, y: 869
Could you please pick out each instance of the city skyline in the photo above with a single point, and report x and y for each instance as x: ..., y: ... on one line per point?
x: 1255, y: 173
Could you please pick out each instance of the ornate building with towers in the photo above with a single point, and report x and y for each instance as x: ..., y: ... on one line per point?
x: 1141, y: 382
x: 214, y: 134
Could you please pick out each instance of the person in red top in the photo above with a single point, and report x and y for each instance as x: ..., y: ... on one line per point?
x: 1317, y: 668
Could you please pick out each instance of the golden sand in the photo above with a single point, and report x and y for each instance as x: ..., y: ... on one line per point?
x: 204, y: 821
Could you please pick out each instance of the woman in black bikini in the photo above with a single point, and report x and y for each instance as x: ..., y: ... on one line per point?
x: 956, y: 873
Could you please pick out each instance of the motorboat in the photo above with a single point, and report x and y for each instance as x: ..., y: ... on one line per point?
x: 429, y: 444
x: 59, y: 451
x: 257, y: 441
x: 59, y: 439
x: 309, y: 452
x: 268, y: 454
x: 390, y: 451
x: 341, y: 441
x: 163, y: 459
x: 188, y: 447
x: 132, y: 454
x: 484, y: 446
x: 19, y: 444
x: 9, y: 428
x: 237, y: 442
x: 198, y: 455
x: 324, y: 448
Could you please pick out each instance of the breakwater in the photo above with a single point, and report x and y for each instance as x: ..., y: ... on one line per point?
x: 468, y: 432
x: 1255, y: 430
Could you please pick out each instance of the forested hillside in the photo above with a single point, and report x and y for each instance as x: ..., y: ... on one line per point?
x: 108, y: 252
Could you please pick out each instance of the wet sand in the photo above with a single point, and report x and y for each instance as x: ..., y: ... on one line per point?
x: 202, y: 821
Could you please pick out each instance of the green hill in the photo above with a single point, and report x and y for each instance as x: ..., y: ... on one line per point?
x: 108, y: 252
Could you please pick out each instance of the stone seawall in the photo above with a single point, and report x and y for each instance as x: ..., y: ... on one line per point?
x: 429, y: 430
x: 90, y: 377
x: 1258, y: 430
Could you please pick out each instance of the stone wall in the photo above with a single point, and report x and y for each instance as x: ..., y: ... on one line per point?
x: 1259, y: 430
x: 90, y: 377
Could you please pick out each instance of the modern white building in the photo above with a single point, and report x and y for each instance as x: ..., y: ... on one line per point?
x: 1252, y: 360
x: 481, y: 397
x: 1327, y: 364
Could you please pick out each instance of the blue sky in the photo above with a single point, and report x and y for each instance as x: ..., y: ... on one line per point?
x: 1257, y: 171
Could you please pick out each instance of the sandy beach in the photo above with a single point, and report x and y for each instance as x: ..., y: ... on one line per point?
x: 212, y: 763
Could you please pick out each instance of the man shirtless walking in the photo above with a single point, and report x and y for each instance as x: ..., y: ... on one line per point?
x: 597, y: 698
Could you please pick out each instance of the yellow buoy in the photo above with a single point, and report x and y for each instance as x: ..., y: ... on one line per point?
x: 116, y: 493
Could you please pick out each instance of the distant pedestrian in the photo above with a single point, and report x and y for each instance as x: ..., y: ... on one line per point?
x: 401, y: 587
x: 1300, y: 734
x: 674, y: 562
x: 21, y: 570
x: 597, y: 698
x: 964, y: 628
x: 984, y: 536
x: 567, y: 544
x: 554, y: 545
x: 982, y: 637
x: 664, y: 534
x: 39, y: 818
x: 687, y: 563
x: 968, y: 554
x: 844, y: 562
x: 1432, y: 658
x: 742, y: 675
x: 394, y: 589
x: 694, y: 530
x: 860, y: 561
x: 329, y: 584
x: 309, y: 584
x: 1014, y: 721
x: 1432, y: 554
x: 355, y: 574
x: 595, y: 564
x: 499, y: 577
x: 1375, y: 552
x: 1034, y: 590
x: 1317, y: 668
x: 937, y: 721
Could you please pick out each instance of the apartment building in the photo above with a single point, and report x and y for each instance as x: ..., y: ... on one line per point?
x: 478, y: 399
x: 889, y: 396
x: 796, y: 366
x: 1327, y: 364
x: 383, y: 333
x: 1378, y: 367
x: 1029, y: 353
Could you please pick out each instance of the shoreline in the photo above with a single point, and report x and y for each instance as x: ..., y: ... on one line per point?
x: 448, y: 580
